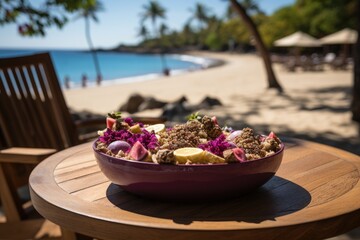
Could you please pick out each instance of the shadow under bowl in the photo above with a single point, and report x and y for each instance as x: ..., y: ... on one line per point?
x: 188, y: 182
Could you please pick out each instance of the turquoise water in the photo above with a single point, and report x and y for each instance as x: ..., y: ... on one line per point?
x: 120, y: 66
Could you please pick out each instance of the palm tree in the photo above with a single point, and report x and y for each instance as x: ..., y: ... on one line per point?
x: 143, y: 32
x: 271, y: 78
x: 153, y: 11
x: 201, y: 14
x: 89, y: 12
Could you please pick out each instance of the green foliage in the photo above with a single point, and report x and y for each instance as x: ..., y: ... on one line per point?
x: 202, y: 30
x: 194, y: 116
x: 34, y: 20
x: 213, y: 41
x: 115, y: 115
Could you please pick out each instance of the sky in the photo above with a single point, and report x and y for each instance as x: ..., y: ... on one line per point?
x: 119, y: 22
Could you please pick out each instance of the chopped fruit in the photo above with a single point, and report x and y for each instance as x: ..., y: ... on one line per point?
x: 233, y: 135
x: 213, y: 118
x: 208, y: 157
x: 156, y: 128
x: 239, y: 153
x: 110, y: 122
x: 135, y: 129
x: 184, y: 155
x: 138, y: 152
x: 116, y: 146
x: 273, y: 135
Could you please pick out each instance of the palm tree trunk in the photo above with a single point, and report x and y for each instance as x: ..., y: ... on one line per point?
x: 93, y: 52
x: 355, y: 104
x: 162, y: 57
x: 272, y: 81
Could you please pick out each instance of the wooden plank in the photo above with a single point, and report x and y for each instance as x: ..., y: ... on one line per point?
x: 96, y: 192
x: 78, y: 158
x: 65, y: 170
x: 77, y: 173
x: 83, y: 182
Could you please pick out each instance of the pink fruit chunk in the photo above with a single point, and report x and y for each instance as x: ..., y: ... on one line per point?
x: 110, y: 122
x: 138, y: 151
x: 116, y: 146
x: 239, y: 154
x: 214, y: 120
x: 272, y: 135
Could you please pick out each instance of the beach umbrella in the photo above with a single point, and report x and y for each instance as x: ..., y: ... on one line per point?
x: 298, y: 39
x: 345, y: 36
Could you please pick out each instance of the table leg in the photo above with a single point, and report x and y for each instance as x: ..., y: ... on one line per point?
x: 67, y: 234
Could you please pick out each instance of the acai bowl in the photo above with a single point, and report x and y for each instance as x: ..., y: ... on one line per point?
x: 197, y: 160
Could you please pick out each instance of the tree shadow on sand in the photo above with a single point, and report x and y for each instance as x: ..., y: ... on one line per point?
x: 334, y: 101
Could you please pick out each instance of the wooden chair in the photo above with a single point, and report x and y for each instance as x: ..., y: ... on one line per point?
x: 35, y: 123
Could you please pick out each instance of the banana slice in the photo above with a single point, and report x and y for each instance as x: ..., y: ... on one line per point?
x: 183, y: 155
x: 156, y: 128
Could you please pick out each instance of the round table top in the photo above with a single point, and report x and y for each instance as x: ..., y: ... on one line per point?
x: 314, y: 195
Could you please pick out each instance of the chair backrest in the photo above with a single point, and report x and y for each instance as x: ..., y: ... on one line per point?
x: 33, y: 108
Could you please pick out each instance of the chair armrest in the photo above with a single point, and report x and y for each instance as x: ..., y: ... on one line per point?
x: 25, y: 155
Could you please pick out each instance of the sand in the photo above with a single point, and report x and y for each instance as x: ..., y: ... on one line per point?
x: 314, y: 105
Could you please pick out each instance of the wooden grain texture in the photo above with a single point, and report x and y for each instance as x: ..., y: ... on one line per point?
x: 314, y: 195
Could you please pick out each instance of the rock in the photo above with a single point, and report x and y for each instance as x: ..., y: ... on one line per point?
x: 151, y: 103
x: 176, y: 110
x: 132, y: 104
x: 209, y: 102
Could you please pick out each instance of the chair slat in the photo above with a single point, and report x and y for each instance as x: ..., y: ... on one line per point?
x: 27, y: 118
x: 50, y: 109
x: 33, y: 110
x: 16, y: 126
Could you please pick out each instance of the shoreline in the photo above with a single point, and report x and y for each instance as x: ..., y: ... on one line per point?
x: 199, y: 62
x: 202, y: 62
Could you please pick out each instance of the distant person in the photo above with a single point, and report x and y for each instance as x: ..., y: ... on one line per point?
x: 98, y: 80
x: 84, y: 80
x: 166, y: 71
x: 67, y: 82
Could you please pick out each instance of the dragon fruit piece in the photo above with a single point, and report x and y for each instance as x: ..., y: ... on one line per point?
x: 273, y: 135
x: 138, y: 152
x: 116, y: 146
x: 213, y: 118
x: 239, y: 154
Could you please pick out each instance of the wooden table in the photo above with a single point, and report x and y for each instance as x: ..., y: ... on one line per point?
x: 314, y: 195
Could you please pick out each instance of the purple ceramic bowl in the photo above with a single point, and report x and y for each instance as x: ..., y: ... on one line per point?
x: 188, y: 182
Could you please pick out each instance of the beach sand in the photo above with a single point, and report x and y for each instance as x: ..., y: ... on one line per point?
x: 314, y: 105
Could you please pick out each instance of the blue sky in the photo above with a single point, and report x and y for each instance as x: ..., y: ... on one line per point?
x: 119, y: 23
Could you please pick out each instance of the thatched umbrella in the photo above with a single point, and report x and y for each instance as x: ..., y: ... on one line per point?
x: 297, y: 40
x: 344, y: 37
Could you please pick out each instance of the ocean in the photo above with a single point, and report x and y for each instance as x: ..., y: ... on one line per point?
x: 115, y: 67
